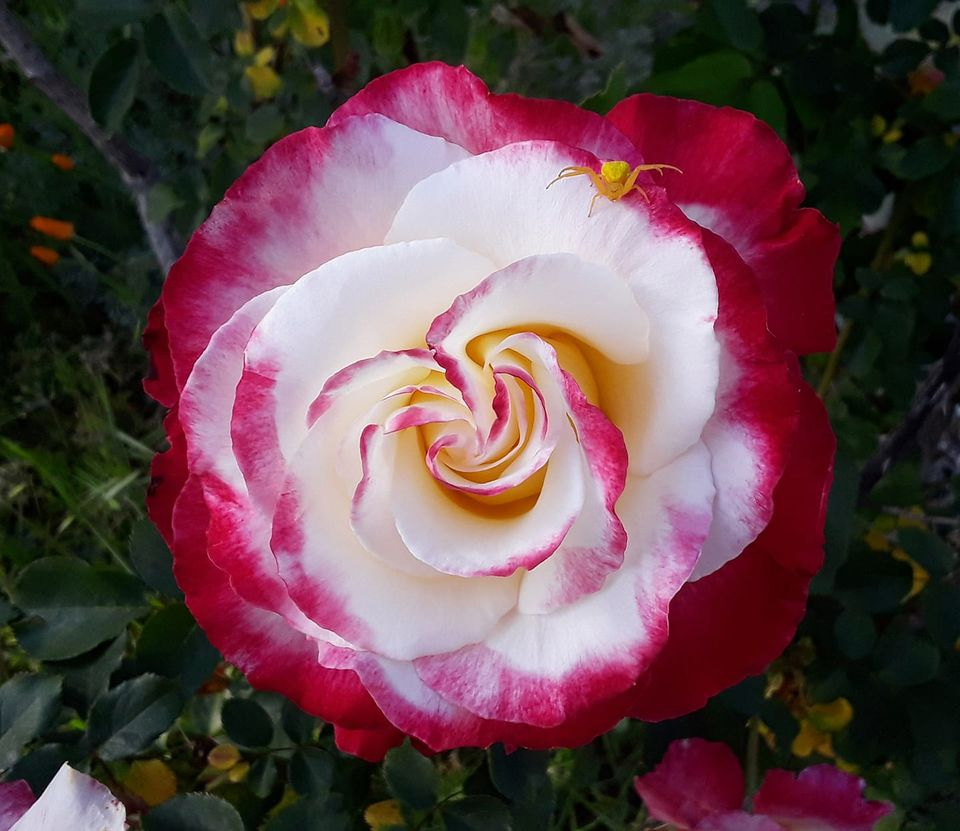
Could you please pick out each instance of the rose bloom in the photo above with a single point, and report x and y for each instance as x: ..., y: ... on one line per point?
x: 72, y: 800
x: 460, y: 457
x: 699, y: 786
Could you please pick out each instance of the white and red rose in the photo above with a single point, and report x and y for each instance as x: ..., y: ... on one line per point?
x: 699, y: 786
x: 72, y: 801
x: 450, y: 458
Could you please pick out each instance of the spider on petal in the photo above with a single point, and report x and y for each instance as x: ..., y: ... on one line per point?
x: 615, y: 179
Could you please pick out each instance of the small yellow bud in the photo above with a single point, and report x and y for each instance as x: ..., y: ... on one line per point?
x: 893, y: 135
x: 920, y: 240
x: 262, y: 9
x: 384, y: 814
x: 239, y: 772
x: 832, y: 716
x: 309, y: 24
x: 265, y: 56
x: 878, y: 125
x: 243, y: 42
x: 264, y: 82
x: 151, y: 780
x: 919, y: 262
x: 223, y: 757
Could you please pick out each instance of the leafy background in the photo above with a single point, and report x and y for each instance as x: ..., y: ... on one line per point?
x: 101, y: 664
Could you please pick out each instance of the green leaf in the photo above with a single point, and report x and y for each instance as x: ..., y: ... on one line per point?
x: 247, y: 723
x: 944, y: 101
x: 78, y: 606
x: 764, y: 101
x: 941, y: 613
x: 521, y: 776
x: 113, y: 83
x: 109, y: 13
x: 906, y: 660
x: 928, y: 550
x: 264, y: 124
x: 127, y: 719
x: 740, y: 25
x: 855, y: 633
x: 311, y: 772
x: 87, y: 676
x: 193, y: 812
x: 477, y: 813
x: 28, y: 706
x: 613, y: 91
x: 152, y: 560
x: 309, y: 813
x: 177, y: 50
x: 162, y: 200
x: 715, y: 78
x: 172, y: 644
x: 411, y: 777
x: 908, y: 14
x: 297, y: 724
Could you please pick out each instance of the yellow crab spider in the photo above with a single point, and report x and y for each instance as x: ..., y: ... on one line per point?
x: 615, y: 179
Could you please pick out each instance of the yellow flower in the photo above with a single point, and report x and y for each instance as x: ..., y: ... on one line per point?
x: 151, y: 780
x: 920, y: 575
x: 243, y: 42
x: 309, y: 24
x: 239, y: 772
x: 383, y: 815
x: 264, y: 81
x: 810, y: 740
x: 262, y: 9
x: 223, y: 757
x: 893, y: 135
x: 265, y: 56
x: 919, y: 262
x: 832, y: 716
x: 920, y: 240
x: 56, y: 228
x: 46, y: 255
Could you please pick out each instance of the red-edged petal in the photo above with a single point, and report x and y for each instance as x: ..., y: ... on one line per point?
x: 545, y: 669
x: 369, y: 745
x: 732, y: 623
x: 453, y: 103
x: 754, y: 426
x: 168, y: 473
x: 740, y: 182
x: 819, y: 798
x: 737, y: 821
x: 160, y: 382
x: 15, y: 798
x: 265, y: 233
x: 695, y: 779
x: 272, y: 654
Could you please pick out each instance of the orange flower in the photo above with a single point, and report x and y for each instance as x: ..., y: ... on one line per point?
x: 56, y: 228
x: 46, y: 255
x: 62, y: 161
x: 7, y: 135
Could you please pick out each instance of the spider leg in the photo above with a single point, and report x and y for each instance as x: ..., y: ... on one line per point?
x: 593, y: 202
x: 658, y: 167
x: 569, y: 172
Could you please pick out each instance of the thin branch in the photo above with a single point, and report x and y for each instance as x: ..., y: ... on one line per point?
x: 939, y: 390
x: 135, y: 171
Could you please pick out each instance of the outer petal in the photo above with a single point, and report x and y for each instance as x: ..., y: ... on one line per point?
x: 731, y: 624
x: 73, y: 800
x: 740, y: 182
x: 754, y: 427
x: 454, y: 104
x: 819, y: 798
x: 15, y: 799
x: 737, y: 821
x: 369, y: 745
x: 266, y: 233
x: 273, y: 654
x: 695, y: 779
